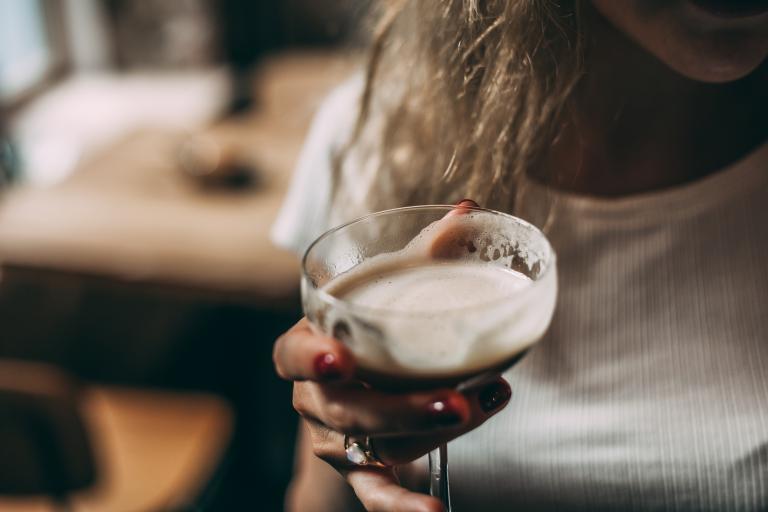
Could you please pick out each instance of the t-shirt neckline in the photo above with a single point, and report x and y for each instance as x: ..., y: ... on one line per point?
x: 672, y: 203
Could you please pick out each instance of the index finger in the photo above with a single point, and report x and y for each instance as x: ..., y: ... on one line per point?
x: 301, y: 354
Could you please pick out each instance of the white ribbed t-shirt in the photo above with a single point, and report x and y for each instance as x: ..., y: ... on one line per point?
x: 650, y: 391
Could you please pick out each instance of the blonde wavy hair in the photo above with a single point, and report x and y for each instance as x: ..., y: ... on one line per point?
x: 460, y: 98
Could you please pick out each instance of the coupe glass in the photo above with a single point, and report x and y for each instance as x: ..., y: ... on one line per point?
x: 484, y: 338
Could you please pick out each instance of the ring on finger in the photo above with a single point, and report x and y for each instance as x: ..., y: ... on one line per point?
x: 360, y: 451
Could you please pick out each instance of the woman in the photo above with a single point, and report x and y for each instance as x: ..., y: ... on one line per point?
x: 635, y: 131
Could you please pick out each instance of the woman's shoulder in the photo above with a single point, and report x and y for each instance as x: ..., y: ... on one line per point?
x: 337, y: 115
x: 304, y: 213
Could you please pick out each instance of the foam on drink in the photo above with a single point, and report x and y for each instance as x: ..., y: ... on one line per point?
x: 431, y: 288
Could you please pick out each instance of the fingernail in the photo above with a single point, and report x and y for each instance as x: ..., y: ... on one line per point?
x: 495, y: 395
x: 468, y: 202
x: 444, y: 413
x: 327, y: 367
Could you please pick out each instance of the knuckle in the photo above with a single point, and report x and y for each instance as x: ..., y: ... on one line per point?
x: 300, y: 403
x: 318, y: 451
x: 323, y: 446
x: 281, y: 371
x: 340, y: 418
x: 277, y: 349
x: 323, y: 451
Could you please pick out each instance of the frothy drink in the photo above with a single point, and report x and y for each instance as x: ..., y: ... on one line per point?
x: 445, y: 321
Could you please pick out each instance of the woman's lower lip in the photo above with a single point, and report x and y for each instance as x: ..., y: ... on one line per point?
x: 732, y: 8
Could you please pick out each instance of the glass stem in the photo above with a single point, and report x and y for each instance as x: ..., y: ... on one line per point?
x: 438, y: 476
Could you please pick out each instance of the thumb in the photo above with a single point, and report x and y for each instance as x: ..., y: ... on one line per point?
x: 452, y: 238
x: 462, y: 207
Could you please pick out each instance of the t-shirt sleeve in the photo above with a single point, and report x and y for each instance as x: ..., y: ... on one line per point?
x: 304, y: 214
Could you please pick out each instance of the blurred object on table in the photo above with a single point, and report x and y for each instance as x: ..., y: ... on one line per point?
x: 213, y: 164
x: 89, y: 112
x: 67, y: 96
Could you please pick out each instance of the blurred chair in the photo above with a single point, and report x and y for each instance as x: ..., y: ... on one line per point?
x: 44, y: 447
x: 96, y: 449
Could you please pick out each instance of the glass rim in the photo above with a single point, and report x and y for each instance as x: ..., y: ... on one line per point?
x: 351, y: 307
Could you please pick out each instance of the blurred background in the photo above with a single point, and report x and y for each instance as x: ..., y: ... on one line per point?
x: 145, y: 146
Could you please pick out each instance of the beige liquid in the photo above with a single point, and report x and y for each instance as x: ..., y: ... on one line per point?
x: 444, y: 321
x: 433, y: 289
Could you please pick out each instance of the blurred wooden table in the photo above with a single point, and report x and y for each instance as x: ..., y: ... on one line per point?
x: 124, y: 268
x: 129, y: 214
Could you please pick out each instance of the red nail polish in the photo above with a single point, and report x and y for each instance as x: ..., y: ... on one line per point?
x: 327, y: 367
x: 444, y: 413
x: 495, y: 395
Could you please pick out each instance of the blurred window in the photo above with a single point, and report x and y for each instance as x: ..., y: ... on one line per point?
x: 26, y: 56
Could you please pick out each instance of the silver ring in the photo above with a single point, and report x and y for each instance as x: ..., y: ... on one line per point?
x: 360, y: 451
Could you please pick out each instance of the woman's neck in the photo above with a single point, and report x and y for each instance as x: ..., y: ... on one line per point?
x: 636, y: 126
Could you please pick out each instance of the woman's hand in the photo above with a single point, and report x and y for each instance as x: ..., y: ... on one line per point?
x: 403, y: 427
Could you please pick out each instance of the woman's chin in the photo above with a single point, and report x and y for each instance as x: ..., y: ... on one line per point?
x: 718, y: 61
